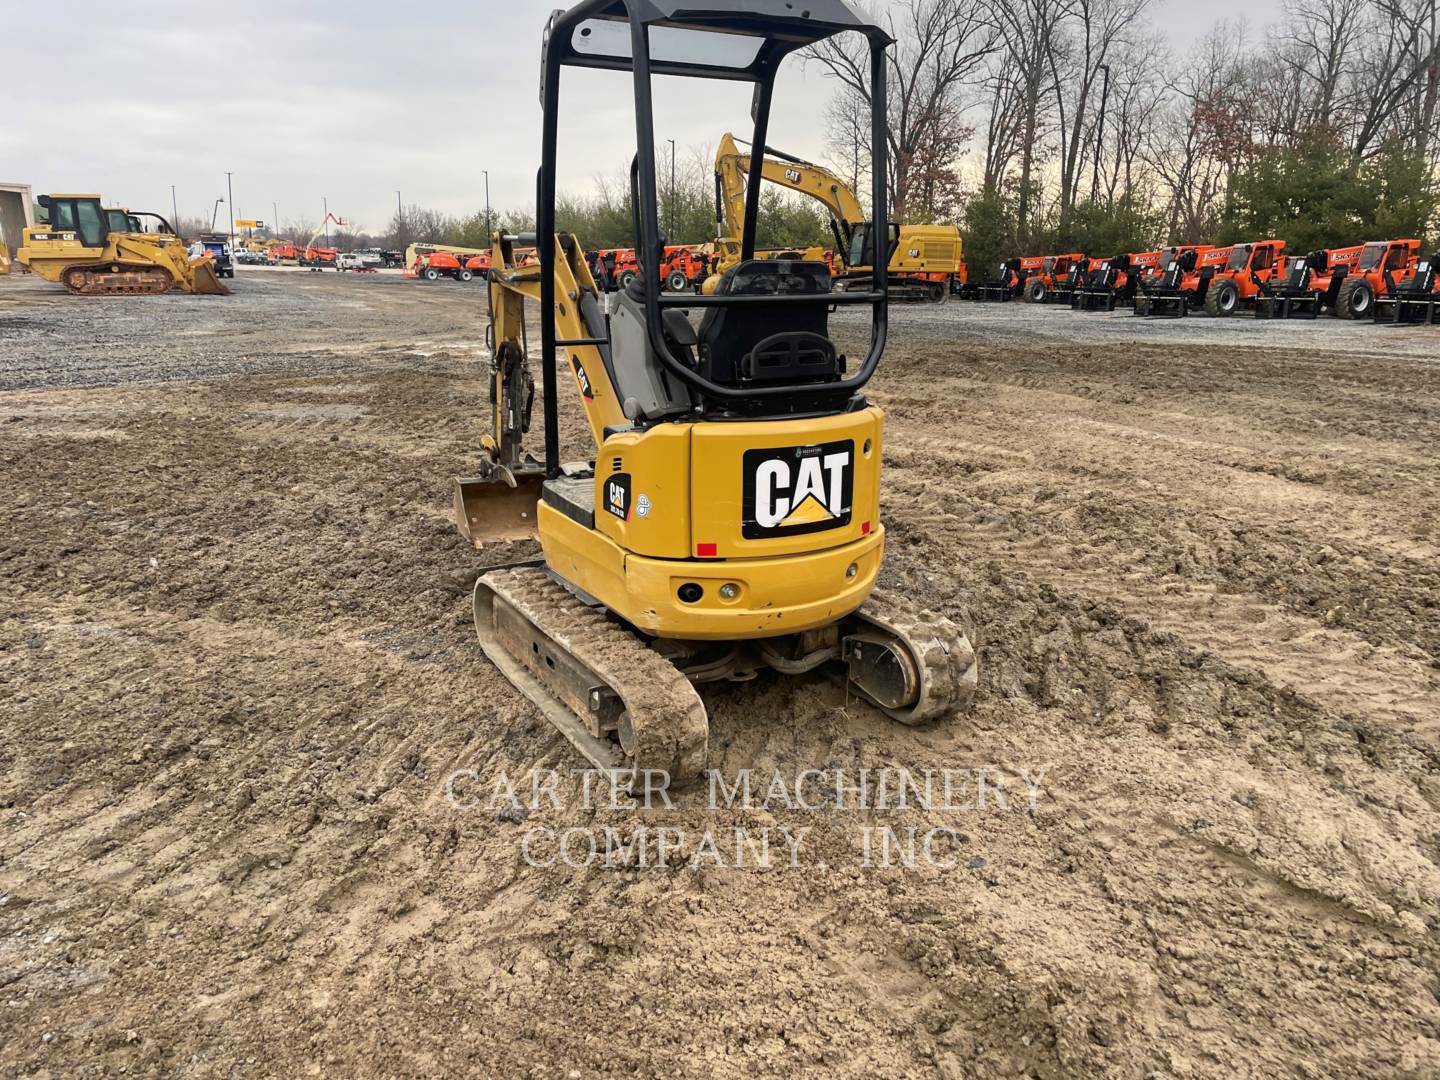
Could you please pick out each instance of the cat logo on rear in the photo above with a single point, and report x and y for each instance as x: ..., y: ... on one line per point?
x: 798, y: 489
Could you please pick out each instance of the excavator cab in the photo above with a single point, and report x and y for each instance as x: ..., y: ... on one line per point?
x: 729, y: 519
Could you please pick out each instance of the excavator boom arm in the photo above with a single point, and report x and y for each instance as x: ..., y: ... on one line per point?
x: 732, y: 167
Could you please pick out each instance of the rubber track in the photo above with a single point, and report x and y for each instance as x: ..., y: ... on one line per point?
x: 949, y: 671
x: 666, y: 713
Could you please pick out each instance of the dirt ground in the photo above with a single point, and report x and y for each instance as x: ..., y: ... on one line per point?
x: 248, y: 744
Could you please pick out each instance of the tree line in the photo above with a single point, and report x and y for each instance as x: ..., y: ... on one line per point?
x: 1070, y: 124
x: 1060, y: 125
x: 600, y: 217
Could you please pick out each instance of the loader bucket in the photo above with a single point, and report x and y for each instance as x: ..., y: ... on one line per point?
x: 203, y: 279
x: 501, y: 506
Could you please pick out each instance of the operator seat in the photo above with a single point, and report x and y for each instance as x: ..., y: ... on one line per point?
x: 757, y: 343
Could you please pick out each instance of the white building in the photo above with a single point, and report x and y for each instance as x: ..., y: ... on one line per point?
x: 17, y: 211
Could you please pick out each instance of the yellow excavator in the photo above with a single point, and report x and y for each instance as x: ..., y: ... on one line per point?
x: 729, y: 520
x: 924, y: 259
x: 94, y: 250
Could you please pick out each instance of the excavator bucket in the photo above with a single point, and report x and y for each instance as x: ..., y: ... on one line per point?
x: 498, y: 506
x: 203, y: 279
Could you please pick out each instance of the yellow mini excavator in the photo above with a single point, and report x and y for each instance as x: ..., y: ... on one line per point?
x: 924, y: 258
x: 95, y: 250
x: 730, y: 519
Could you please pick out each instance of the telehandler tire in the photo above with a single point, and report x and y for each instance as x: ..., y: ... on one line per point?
x: 1223, y: 298
x: 1035, y: 291
x: 1355, y: 299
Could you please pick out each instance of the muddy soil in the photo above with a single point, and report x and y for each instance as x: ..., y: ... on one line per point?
x: 249, y: 749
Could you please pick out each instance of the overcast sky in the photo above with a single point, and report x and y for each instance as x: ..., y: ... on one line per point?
x: 349, y: 101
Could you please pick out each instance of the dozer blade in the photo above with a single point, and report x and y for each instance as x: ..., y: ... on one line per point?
x: 498, y: 506
x: 202, y: 279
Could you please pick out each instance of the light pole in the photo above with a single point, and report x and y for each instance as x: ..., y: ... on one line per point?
x: 274, y: 220
x: 1100, y: 131
x: 671, y: 215
x: 175, y: 211
x: 489, y: 229
x: 230, y: 197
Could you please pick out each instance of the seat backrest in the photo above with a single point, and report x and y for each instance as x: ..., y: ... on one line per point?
x: 728, y: 335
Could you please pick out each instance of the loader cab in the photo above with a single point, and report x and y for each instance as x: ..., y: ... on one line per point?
x: 80, y: 214
x: 761, y: 348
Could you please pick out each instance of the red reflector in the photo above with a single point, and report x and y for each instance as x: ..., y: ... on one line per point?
x: 864, y: 528
x: 707, y: 551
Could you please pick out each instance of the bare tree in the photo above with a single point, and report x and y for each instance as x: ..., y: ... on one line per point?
x: 1027, y: 29
x: 940, y: 46
x: 1137, y: 97
x: 1322, y: 36
x: 1193, y: 145
x: 1086, y: 35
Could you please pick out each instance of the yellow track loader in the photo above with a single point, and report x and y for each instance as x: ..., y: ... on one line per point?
x: 729, y: 521
x: 97, y: 251
x: 923, y: 260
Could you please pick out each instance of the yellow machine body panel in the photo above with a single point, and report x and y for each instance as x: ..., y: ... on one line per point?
x: 781, y: 511
x: 742, y: 489
x: 928, y: 249
x: 772, y: 596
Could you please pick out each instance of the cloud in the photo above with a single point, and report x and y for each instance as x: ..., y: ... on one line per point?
x: 305, y: 101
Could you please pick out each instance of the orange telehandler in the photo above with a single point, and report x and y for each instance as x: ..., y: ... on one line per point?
x: 1220, y: 280
x: 1346, y: 281
x: 1009, y: 284
x: 1310, y: 284
x: 1413, y: 299
x: 1187, y: 255
x: 1052, y: 278
x: 1112, y: 281
x: 1380, y: 263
